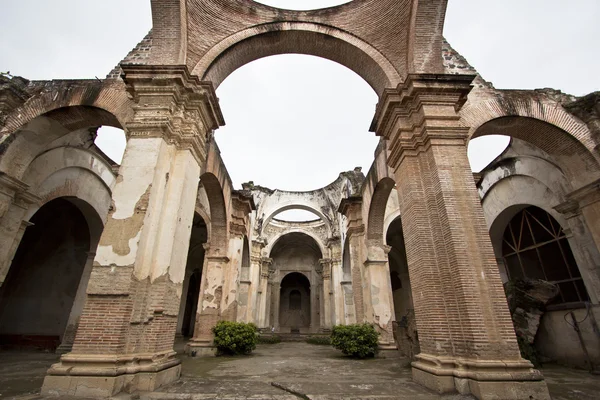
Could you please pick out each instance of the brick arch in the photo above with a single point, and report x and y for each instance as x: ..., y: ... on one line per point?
x: 573, y: 150
x: 299, y: 38
x: 381, y: 40
x: 375, y: 225
x: 218, y: 213
x: 20, y: 148
x: 108, y: 96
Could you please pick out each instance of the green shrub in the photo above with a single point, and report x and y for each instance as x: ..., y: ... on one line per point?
x: 272, y: 339
x: 319, y: 340
x: 358, y: 340
x: 235, y: 337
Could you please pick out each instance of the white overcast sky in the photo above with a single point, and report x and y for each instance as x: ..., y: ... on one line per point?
x: 294, y: 122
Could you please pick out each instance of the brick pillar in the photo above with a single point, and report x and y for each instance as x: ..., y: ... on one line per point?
x: 465, y: 330
x: 126, y: 332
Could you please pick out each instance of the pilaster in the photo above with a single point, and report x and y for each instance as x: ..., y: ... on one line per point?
x: 465, y: 330
x: 15, y: 200
x: 582, y: 212
x: 351, y: 208
x: 325, y: 267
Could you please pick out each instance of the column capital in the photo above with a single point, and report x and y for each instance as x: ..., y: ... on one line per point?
x: 324, y: 268
x: 580, y: 198
x: 172, y: 104
x: 351, y: 208
x: 242, y: 205
x: 422, y: 110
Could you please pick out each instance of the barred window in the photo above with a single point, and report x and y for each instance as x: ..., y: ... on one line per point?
x: 535, y: 246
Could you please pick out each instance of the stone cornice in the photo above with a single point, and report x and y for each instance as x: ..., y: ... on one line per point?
x: 580, y: 198
x: 172, y: 104
x: 420, y: 112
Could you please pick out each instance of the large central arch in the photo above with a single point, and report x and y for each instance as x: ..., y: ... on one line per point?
x: 299, y: 38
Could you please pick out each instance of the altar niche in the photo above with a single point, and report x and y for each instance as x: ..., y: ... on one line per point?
x: 297, y: 284
x: 294, y: 306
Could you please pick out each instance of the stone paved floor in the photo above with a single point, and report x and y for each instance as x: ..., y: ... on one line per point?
x: 277, y: 371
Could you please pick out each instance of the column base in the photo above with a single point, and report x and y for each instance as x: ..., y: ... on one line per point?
x: 486, y: 380
x: 200, y: 348
x: 97, y: 376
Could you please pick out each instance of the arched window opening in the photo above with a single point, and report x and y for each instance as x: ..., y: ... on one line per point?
x: 111, y: 141
x: 535, y: 246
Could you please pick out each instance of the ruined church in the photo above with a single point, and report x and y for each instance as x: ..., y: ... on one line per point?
x: 109, y: 264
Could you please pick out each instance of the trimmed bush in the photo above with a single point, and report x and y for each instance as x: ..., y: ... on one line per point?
x: 274, y: 339
x: 319, y: 340
x: 235, y: 337
x: 358, y: 340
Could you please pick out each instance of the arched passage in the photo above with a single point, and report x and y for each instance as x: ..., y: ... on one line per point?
x: 406, y: 334
x: 294, y: 304
x: 379, y: 201
x: 218, y: 213
x: 193, y: 276
x: 298, y: 256
x: 570, y: 151
x: 42, y: 285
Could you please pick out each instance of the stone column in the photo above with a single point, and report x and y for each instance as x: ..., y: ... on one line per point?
x: 256, y: 300
x: 242, y: 205
x: 264, y: 298
x: 126, y: 332
x: 382, y: 313
x: 337, y: 279
x: 465, y: 330
x: 275, y: 289
x: 69, y: 335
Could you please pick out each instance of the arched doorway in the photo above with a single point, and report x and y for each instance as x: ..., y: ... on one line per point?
x: 193, y: 277
x: 294, y: 305
x: 37, y: 297
x: 297, y: 287
x: 535, y: 246
x: 406, y: 329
